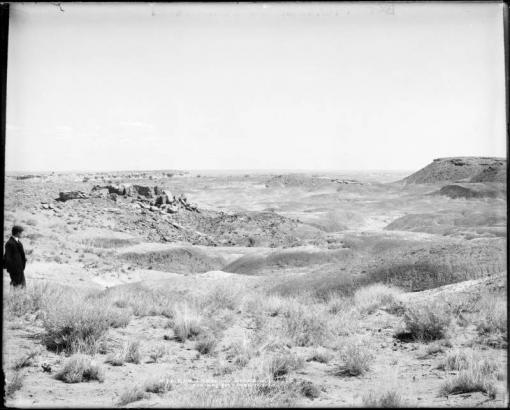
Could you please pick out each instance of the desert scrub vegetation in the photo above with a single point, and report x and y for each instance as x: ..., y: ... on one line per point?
x: 470, y: 380
x: 491, y: 320
x: 388, y: 399
x: 240, y: 352
x: 20, y: 302
x: 186, y: 322
x: 140, y: 300
x: 355, y: 359
x: 132, y: 394
x: 157, y: 352
x: 264, y: 394
x: 14, y: 384
x: 130, y: 353
x: 79, y: 368
x: 306, y: 325
x: 158, y: 386
x: 425, y: 322
x: 26, y: 360
x: 372, y: 297
x: 281, y: 364
x: 206, y: 343
x: 222, y: 296
x: 320, y: 355
x: 72, y: 325
x: 460, y: 360
x: 71, y: 322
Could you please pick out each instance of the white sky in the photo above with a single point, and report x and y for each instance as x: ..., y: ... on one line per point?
x: 294, y: 86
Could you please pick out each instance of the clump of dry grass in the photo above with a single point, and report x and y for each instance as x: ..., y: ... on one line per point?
x: 80, y: 368
x: 281, y: 364
x: 157, y: 352
x: 71, y: 325
x: 320, y: 355
x: 222, y: 296
x: 272, y: 304
x: 239, y: 352
x: 491, y: 320
x: 309, y: 389
x: 140, y: 300
x: 355, y: 360
x: 25, y: 360
x: 306, y: 325
x: 457, y: 360
x: 265, y: 394
x: 476, y: 373
x: 133, y: 354
x: 470, y: 380
x: 206, y: 343
x: 187, y: 323
x: 372, y: 297
x: 130, y: 353
x: 158, y: 386
x: 32, y: 299
x: 14, y: 384
x: 425, y: 323
x: 132, y: 394
x: 388, y: 399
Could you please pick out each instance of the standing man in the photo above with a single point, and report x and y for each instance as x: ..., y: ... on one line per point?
x: 14, y: 259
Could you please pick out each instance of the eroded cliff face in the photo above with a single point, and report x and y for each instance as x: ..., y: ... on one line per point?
x: 460, y: 169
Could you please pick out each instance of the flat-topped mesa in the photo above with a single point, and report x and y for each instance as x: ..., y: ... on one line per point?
x: 460, y: 169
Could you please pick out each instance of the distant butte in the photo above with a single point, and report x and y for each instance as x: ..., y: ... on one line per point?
x: 460, y: 169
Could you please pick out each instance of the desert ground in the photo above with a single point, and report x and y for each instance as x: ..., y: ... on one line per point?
x: 218, y: 289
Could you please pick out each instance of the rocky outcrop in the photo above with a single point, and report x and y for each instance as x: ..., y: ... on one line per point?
x: 68, y: 195
x: 145, y: 197
x: 460, y: 169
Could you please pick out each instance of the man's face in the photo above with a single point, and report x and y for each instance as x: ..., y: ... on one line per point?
x: 19, y: 235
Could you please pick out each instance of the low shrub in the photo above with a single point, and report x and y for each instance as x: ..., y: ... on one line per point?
x: 279, y: 365
x: 157, y: 353
x: 25, y: 360
x: 130, y: 353
x: 389, y: 399
x: 354, y: 360
x: 131, y: 395
x: 308, y: 389
x: 372, y: 297
x: 425, y: 322
x: 187, y: 323
x: 133, y: 354
x: 468, y: 381
x: 158, y: 386
x: 222, y: 296
x: 306, y: 325
x: 140, y: 300
x: 15, y: 384
x: 491, y: 320
x: 206, y: 343
x: 79, y: 368
x: 74, y: 326
x: 32, y: 299
x: 320, y: 355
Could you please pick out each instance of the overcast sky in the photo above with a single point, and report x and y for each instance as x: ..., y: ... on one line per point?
x: 294, y: 86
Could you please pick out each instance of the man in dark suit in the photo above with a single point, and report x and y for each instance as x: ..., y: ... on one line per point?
x: 14, y: 259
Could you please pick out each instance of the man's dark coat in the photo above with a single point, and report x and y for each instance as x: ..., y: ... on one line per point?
x: 15, y: 261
